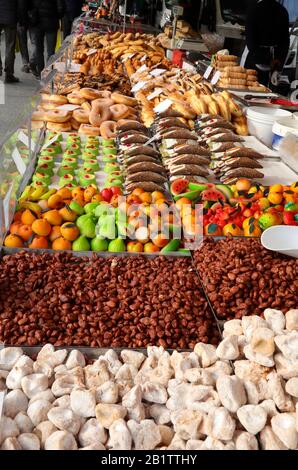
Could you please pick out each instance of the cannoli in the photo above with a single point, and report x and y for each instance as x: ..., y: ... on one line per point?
x: 145, y: 166
x: 189, y: 170
x: 242, y: 162
x: 220, y: 147
x: 128, y: 125
x: 187, y: 159
x: 141, y: 149
x: 243, y: 152
x: 171, y: 122
x: 225, y: 137
x: 146, y: 176
x: 179, y: 134
x: 133, y: 139
x: 191, y: 149
x: 146, y: 185
x: 139, y: 159
x: 249, y: 173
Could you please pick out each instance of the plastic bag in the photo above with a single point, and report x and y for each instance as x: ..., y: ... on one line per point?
x: 59, y: 40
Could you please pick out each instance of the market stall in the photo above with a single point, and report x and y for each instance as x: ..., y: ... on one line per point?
x: 136, y: 223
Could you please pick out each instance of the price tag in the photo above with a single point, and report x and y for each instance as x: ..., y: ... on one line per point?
x: 157, y: 72
x: 16, y: 156
x: 141, y: 69
x: 2, y: 396
x: 138, y: 86
x: 60, y: 66
x: 50, y: 142
x: 163, y: 106
x: 179, y: 43
x: 208, y: 72
x: 68, y: 107
x: 155, y: 137
x: 143, y: 58
x: 215, y: 78
x: 154, y: 94
x: 189, y: 67
x: 128, y: 56
x: 91, y: 52
x: 75, y: 68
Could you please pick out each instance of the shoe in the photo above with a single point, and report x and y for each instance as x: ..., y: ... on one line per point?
x: 33, y: 70
x: 1, y: 72
x: 25, y: 68
x: 11, y: 79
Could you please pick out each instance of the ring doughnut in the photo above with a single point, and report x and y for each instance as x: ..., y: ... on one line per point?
x: 59, y: 126
x: 81, y: 116
x: 119, y: 111
x: 75, y: 124
x: 75, y: 98
x: 104, y: 94
x: 39, y: 115
x: 86, y: 105
x: 100, y: 111
x: 59, y: 100
x: 47, y: 105
x: 57, y: 115
x: 86, y: 129
x: 123, y: 99
x: 90, y: 94
x: 37, y: 124
x: 108, y: 129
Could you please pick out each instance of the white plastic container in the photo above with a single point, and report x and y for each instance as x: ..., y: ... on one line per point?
x: 295, y: 115
x: 260, y: 121
x: 281, y: 128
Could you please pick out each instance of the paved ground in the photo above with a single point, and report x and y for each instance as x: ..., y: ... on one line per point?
x: 17, y: 97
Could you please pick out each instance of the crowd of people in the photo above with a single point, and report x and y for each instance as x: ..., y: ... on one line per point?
x: 36, y: 22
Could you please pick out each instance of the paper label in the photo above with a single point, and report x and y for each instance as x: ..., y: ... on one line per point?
x: 141, y: 69
x: 163, y: 106
x: 138, y: 86
x: 92, y: 51
x: 60, y: 66
x: 154, y: 94
x: 50, y: 142
x: 179, y: 43
x: 143, y: 58
x: 25, y: 140
x: 16, y: 156
x: 215, y: 78
x: 153, y: 139
x: 157, y: 72
x: 208, y: 72
x: 75, y: 68
x: 68, y: 107
x: 189, y: 67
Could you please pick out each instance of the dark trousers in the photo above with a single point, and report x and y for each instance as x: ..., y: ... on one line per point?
x: 10, y: 33
x: 23, y: 42
x: 38, y: 37
x: 67, y: 26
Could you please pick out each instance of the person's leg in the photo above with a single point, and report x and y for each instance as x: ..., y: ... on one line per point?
x: 33, y: 58
x: 10, y: 45
x: 67, y: 26
x: 1, y: 70
x: 39, y: 45
x: 23, y: 41
x: 51, y: 37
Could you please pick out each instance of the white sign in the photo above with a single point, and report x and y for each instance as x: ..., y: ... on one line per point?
x: 143, y: 58
x: 154, y: 94
x: 157, y: 72
x: 25, y: 140
x: 138, y: 86
x: 208, y: 72
x: 215, y: 78
x: 163, y: 106
x: 16, y: 156
x: 60, y: 66
x: 75, y: 68
x: 92, y: 51
x: 177, y: 10
x: 6, y: 204
x: 68, y: 107
x: 141, y: 69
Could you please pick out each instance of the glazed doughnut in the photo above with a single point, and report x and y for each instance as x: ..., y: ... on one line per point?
x: 123, y: 99
x: 119, y: 111
x: 108, y: 129
x: 75, y: 124
x: 59, y: 126
x: 39, y: 115
x: 37, y: 124
x: 100, y: 111
x: 81, y: 116
x: 57, y: 115
x: 75, y: 98
x: 57, y: 99
x: 86, y: 129
x: 86, y: 106
x: 89, y: 94
x: 47, y: 105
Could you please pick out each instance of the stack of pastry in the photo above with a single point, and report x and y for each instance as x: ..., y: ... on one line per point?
x: 222, y: 61
x: 240, y: 78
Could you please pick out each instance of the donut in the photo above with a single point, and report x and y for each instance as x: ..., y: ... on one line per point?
x: 37, y: 124
x: 59, y: 126
x: 75, y: 98
x: 47, y: 105
x: 75, y: 124
x: 57, y: 99
x: 123, y: 99
x: 90, y: 94
x: 108, y: 129
x: 39, y: 115
x: 86, y: 105
x: 119, y: 111
x: 81, y: 116
x: 57, y: 115
x: 100, y: 111
x: 86, y: 129
x: 104, y: 94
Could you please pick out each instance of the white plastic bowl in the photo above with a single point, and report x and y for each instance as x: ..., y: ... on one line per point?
x: 281, y: 128
x: 260, y: 121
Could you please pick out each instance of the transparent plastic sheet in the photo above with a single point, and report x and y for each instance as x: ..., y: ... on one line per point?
x: 85, y: 24
x: 288, y: 150
x: 18, y: 152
